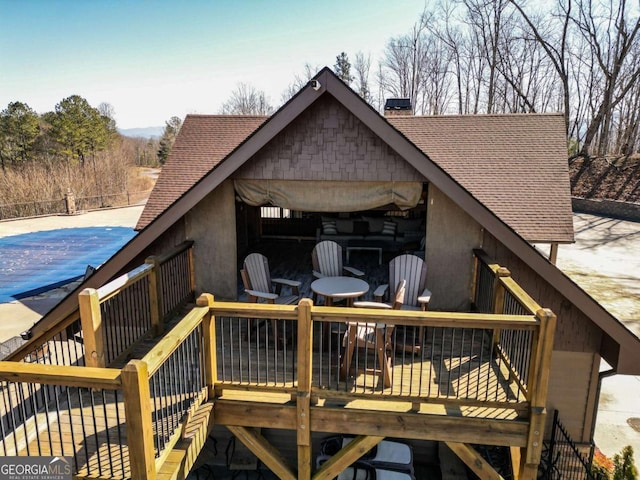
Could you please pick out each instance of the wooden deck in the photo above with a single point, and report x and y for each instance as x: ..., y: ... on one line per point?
x: 470, y: 378
x: 93, y: 423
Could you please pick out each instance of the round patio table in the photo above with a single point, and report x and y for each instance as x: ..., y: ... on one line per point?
x: 338, y: 288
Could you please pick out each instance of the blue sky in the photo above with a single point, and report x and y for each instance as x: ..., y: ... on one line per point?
x: 154, y: 59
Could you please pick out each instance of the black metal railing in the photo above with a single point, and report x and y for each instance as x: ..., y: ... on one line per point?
x: 415, y: 356
x: 256, y: 351
x: 61, y: 420
x: 483, y: 296
x: 57, y: 206
x: 126, y: 318
x: 175, y: 273
x: 176, y: 387
x: 64, y: 347
x: 562, y: 459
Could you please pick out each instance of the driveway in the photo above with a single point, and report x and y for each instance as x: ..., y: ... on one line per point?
x: 605, y: 262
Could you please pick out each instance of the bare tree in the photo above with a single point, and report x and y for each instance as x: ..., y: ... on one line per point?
x: 361, y: 68
x: 554, y: 41
x: 246, y: 100
x: 401, y: 68
x: 613, y: 41
x: 299, y: 81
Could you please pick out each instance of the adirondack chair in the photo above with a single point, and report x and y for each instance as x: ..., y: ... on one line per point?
x: 259, y: 286
x: 413, y: 269
x: 326, y: 259
x: 373, y: 336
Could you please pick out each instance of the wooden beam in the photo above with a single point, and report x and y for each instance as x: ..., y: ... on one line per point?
x: 355, y: 449
x: 488, y: 431
x: 409, y: 425
x: 262, y: 449
x: 553, y: 253
x: 516, y: 458
x: 71, y: 376
x: 474, y: 461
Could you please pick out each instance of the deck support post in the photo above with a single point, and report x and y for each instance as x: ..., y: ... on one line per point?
x: 91, y: 321
x: 303, y: 400
x: 209, y: 330
x: 538, y: 388
x: 155, y: 296
x: 137, y: 404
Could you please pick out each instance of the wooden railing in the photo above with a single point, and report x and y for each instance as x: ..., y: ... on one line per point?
x: 497, y: 359
x: 114, y: 423
x: 111, y: 319
x: 457, y: 362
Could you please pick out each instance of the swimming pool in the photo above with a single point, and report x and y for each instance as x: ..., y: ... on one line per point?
x: 33, y: 263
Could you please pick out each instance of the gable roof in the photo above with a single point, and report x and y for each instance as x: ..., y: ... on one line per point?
x: 492, y: 156
x: 620, y: 343
x: 203, y: 141
x: 516, y: 164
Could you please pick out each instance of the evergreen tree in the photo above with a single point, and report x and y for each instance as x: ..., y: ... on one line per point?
x: 342, y: 68
x: 171, y: 129
x: 623, y: 465
x: 79, y: 129
x: 19, y: 129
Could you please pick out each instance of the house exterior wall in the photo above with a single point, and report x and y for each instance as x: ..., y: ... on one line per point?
x: 575, y: 332
x: 328, y: 143
x: 571, y: 386
x: 211, y: 224
x: 576, y: 356
x: 451, y: 237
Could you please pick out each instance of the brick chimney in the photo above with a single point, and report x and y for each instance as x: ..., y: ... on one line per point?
x: 397, y: 106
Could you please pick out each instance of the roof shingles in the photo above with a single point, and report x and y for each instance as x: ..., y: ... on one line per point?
x: 202, y: 143
x: 515, y: 164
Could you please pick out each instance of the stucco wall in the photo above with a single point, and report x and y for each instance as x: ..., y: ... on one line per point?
x: 451, y: 237
x: 571, y: 391
x: 211, y: 224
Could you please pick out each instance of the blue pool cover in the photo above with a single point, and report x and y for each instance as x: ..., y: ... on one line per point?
x: 33, y: 263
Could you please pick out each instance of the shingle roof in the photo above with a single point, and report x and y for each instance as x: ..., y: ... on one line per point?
x: 621, y: 345
x: 203, y: 141
x: 515, y: 164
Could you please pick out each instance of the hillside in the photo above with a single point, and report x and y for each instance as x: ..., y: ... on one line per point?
x: 606, y: 178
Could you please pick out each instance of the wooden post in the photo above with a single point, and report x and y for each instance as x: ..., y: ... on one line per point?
x: 553, y: 253
x: 70, y: 202
x: 538, y: 389
x: 303, y: 403
x: 155, y: 296
x: 209, y: 330
x: 91, y: 321
x: 498, y: 298
x: 137, y: 406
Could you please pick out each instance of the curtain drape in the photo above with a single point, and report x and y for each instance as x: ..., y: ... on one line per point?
x: 323, y: 196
